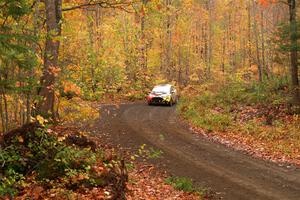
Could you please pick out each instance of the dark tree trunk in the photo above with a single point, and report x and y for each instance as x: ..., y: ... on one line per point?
x: 258, y: 59
x: 53, y: 22
x: 293, y: 54
x: 143, y: 44
x: 168, y: 62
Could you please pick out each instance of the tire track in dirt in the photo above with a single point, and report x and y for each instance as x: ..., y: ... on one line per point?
x: 234, y: 174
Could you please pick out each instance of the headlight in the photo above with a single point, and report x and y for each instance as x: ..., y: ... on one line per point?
x: 167, y: 98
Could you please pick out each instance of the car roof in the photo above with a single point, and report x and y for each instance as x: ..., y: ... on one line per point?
x: 163, y: 85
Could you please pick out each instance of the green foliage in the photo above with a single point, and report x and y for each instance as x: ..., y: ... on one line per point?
x: 181, y: 183
x: 66, y: 162
x: 50, y: 159
x: 271, y: 91
x: 284, y: 35
x: 16, y: 44
x: 18, y: 59
x: 11, y: 173
x: 10, y: 181
x: 186, y: 184
x: 200, y: 112
x: 154, y: 153
x: 252, y: 110
x: 14, y: 8
x: 210, y: 109
x: 212, y: 121
x: 147, y: 153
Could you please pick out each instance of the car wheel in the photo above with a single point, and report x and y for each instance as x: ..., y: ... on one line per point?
x: 171, y: 103
x: 176, y: 101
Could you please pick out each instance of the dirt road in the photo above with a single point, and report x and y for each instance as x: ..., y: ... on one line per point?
x: 233, y: 175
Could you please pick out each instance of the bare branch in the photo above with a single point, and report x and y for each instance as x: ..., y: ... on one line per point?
x: 104, y: 4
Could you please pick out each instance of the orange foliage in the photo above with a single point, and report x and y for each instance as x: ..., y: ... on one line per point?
x: 71, y: 87
x: 265, y: 3
x: 54, y: 70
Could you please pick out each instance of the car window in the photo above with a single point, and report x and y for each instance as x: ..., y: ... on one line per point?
x: 161, y: 89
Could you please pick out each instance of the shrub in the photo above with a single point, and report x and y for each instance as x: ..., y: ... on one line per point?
x: 213, y: 121
x: 200, y: 107
x: 255, y: 111
x: 50, y: 159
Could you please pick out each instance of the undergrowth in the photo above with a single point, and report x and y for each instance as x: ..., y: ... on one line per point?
x: 257, y: 111
x: 43, y: 158
x: 186, y: 184
x: 76, y: 110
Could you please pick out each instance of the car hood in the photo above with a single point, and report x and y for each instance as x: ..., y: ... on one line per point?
x: 159, y: 94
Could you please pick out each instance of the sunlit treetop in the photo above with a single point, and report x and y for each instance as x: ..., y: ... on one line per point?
x: 266, y: 3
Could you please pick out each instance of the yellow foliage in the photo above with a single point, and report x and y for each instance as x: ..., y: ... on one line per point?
x: 20, y: 139
x: 76, y: 110
x: 41, y: 120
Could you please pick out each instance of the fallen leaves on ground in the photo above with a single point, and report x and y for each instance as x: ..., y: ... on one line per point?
x: 255, y: 145
x: 146, y: 183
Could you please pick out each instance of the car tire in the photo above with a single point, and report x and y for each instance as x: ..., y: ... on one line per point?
x: 171, y: 103
x: 176, y: 101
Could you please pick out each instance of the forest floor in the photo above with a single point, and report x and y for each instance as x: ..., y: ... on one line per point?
x: 164, y: 156
x: 70, y: 161
x: 145, y: 181
x: 172, y: 146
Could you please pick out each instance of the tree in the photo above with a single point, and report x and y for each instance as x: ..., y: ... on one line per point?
x: 51, y: 68
x: 17, y: 60
x: 293, y: 48
x: 294, y: 53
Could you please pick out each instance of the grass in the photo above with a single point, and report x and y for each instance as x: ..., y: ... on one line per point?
x: 253, y: 111
x: 186, y: 184
x: 181, y: 183
x: 200, y: 112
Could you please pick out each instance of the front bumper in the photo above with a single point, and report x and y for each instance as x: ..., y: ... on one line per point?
x: 159, y: 100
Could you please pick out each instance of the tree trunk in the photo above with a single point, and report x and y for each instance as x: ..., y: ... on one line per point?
x: 223, y: 54
x: 5, y: 110
x: 210, y: 35
x: 92, y: 27
x: 143, y: 41
x: 293, y: 54
x: 50, y: 70
x: 2, y: 115
x: 169, y: 40
x: 265, y: 67
x: 258, y: 60
x: 249, y: 46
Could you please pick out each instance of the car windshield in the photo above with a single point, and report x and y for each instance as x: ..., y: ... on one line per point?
x: 160, y: 89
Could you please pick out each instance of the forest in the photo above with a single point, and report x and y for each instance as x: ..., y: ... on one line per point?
x: 234, y: 62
